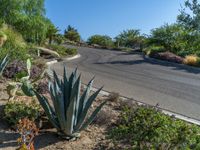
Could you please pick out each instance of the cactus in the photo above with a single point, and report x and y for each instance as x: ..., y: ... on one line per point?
x: 24, y: 84
x: 69, y: 111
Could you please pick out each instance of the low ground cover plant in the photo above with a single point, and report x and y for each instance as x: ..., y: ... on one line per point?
x: 148, y: 128
x: 16, y: 110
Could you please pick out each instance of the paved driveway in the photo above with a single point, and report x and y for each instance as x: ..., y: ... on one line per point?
x: 174, y: 87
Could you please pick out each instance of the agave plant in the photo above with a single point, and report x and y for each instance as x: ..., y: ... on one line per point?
x: 69, y: 111
x: 3, y: 64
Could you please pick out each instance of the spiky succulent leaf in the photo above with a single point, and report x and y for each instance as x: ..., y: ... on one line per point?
x: 84, y: 97
x: 92, y: 117
x: 71, y: 112
x: 48, y: 110
x: 88, y: 104
x: 3, y: 64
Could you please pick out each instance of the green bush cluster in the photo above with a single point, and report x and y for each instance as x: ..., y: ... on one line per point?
x: 103, y: 41
x: 14, y: 111
x: 153, y: 49
x: 62, y: 50
x: 147, y: 128
x: 176, y: 39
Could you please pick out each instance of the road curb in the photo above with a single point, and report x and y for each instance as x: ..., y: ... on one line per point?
x: 72, y: 58
x: 68, y: 58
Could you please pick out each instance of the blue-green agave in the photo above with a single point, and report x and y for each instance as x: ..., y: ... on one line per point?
x: 3, y: 64
x: 69, y: 111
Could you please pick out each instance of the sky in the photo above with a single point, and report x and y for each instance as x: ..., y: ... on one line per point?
x: 110, y: 17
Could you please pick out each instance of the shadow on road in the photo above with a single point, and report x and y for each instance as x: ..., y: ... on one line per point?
x: 151, y: 61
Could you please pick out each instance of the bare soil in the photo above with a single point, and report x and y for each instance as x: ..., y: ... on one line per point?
x: 94, y: 138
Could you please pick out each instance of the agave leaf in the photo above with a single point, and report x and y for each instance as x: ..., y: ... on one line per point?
x: 77, y: 88
x: 92, y: 117
x: 48, y: 110
x: 72, y: 107
x: 59, y: 105
x: 84, y: 98
x: 56, y: 79
x: 65, y: 90
x: 3, y: 64
x: 86, y: 108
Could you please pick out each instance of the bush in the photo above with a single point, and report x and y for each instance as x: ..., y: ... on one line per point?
x: 192, y: 60
x: 15, y: 45
x: 154, y: 49
x: 14, y: 111
x: 147, y: 128
x: 62, y: 50
x: 102, y: 40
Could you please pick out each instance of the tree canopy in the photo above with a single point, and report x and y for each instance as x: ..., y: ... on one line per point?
x: 101, y: 40
x: 72, y: 34
x: 27, y: 17
x: 129, y: 38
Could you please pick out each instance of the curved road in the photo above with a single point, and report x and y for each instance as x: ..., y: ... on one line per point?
x: 172, y: 86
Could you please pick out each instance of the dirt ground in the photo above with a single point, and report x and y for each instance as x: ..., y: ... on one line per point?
x: 94, y: 138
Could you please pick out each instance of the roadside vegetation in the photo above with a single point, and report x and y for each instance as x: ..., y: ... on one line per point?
x: 177, y: 42
x: 32, y: 100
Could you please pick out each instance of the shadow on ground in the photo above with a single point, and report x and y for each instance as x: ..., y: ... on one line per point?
x: 152, y: 61
x: 46, y: 139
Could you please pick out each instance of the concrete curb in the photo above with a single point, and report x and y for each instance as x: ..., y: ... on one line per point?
x: 72, y: 58
x: 68, y: 59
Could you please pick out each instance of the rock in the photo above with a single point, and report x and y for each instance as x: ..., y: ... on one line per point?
x: 3, y: 95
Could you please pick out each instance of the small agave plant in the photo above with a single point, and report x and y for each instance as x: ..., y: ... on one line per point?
x: 69, y: 111
x: 3, y: 64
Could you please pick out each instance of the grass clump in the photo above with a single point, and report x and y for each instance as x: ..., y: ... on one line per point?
x: 192, y: 60
x: 147, y: 128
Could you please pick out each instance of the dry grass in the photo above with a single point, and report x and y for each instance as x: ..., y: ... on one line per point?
x: 192, y: 60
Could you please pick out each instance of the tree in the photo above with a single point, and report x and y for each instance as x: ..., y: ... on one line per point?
x: 129, y: 38
x: 190, y: 20
x: 52, y: 32
x: 101, y: 40
x: 72, y: 34
x: 27, y: 17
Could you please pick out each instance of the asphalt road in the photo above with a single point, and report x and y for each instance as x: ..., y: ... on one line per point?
x: 174, y: 87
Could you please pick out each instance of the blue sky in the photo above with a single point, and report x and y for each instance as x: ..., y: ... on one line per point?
x: 110, y: 17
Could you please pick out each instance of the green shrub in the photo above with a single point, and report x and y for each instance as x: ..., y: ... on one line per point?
x: 15, y: 46
x: 102, y: 40
x: 153, y: 49
x: 14, y: 111
x: 147, y: 128
x: 62, y: 50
